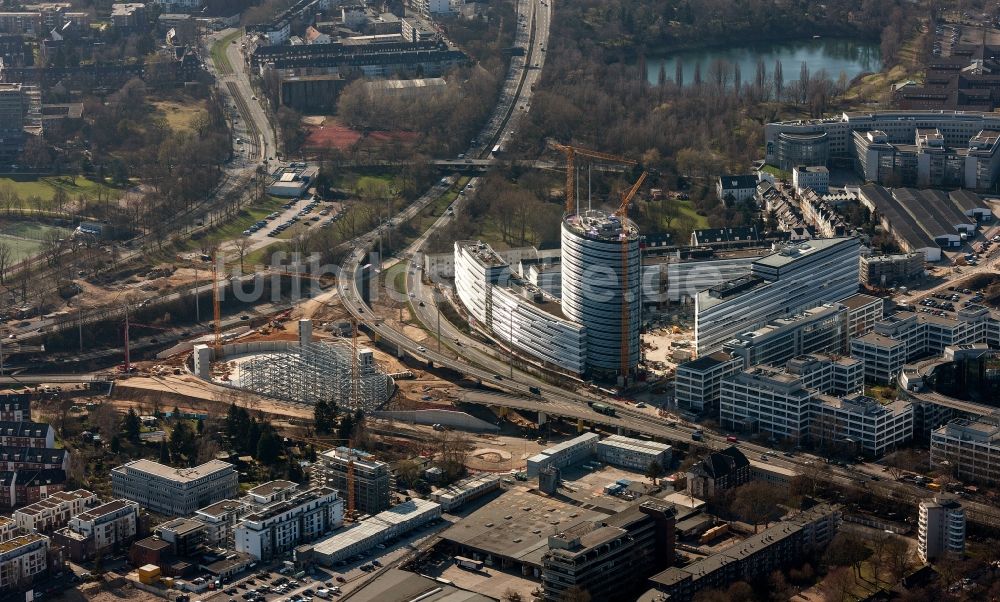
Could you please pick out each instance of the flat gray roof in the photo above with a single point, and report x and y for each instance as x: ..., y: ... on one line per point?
x: 517, y: 525
x: 180, y: 475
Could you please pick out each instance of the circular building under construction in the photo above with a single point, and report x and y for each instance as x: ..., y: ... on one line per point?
x: 600, y: 287
x: 304, y: 371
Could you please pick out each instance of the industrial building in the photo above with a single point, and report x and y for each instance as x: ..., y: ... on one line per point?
x: 798, y: 277
x: 287, y: 518
x: 564, y: 454
x: 632, y: 454
x: 371, y: 477
x: 174, y: 491
x: 466, y: 490
x: 924, y: 221
x: 364, y: 535
x: 940, y: 528
x: 292, y: 182
x: 594, y: 288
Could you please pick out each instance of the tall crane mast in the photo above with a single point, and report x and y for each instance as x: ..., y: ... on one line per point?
x: 622, y: 213
x: 571, y: 152
x: 216, y: 309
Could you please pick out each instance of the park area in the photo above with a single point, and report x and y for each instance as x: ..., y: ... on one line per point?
x: 328, y: 132
x: 26, y: 238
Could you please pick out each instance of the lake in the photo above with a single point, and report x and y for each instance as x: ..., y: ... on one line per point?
x: 835, y: 55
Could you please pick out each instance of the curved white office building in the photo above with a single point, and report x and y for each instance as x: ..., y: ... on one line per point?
x: 514, y: 311
x: 592, y: 285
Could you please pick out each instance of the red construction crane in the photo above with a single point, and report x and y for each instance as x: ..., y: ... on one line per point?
x: 127, y: 366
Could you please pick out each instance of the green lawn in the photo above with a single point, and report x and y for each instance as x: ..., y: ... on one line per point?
x: 21, y: 249
x: 396, y: 275
x: 248, y: 216
x: 360, y: 182
x: 45, y: 188
x: 219, y: 57
x: 777, y: 173
x: 686, y: 208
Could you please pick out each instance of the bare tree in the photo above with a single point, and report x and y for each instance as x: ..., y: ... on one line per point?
x: 6, y: 259
x: 242, y: 244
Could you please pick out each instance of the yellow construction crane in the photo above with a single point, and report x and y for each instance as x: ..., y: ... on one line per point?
x: 571, y: 152
x: 351, y: 512
x: 626, y: 317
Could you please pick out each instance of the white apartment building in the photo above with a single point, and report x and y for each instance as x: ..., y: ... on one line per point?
x: 108, y: 525
x: 940, y: 528
x: 798, y: 277
x: 21, y: 558
x: 288, y: 518
x: 765, y: 399
x: 698, y: 383
x: 8, y: 529
x: 54, y: 511
x: 816, y: 177
x: 564, y: 454
x: 633, y: 454
x: 220, y: 520
x: 970, y: 448
x: 516, y: 311
x: 174, y: 491
x: 859, y: 420
x: 821, y: 329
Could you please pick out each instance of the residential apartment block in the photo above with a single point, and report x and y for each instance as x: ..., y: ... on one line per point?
x: 940, y: 528
x: 20, y: 487
x: 15, y: 407
x: 110, y: 526
x: 21, y: 559
x: 718, y: 472
x: 371, y: 477
x: 287, y: 518
x: 174, y: 491
x: 755, y: 557
x: 27, y: 434
x: 54, y: 511
x: 39, y: 458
